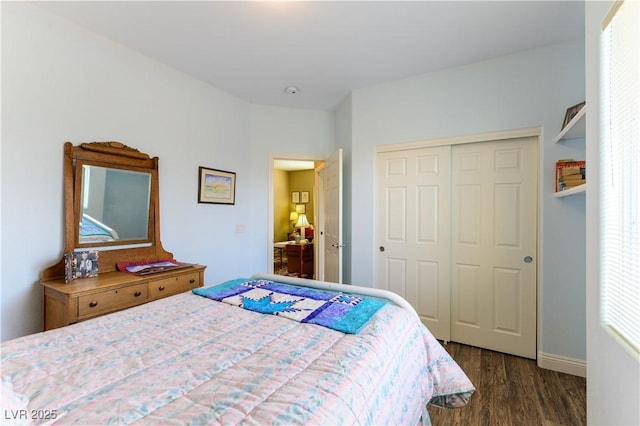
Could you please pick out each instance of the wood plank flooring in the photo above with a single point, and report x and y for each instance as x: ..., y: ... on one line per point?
x: 513, y: 391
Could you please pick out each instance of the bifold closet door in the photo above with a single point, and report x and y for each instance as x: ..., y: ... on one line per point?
x: 493, y: 245
x: 413, y: 226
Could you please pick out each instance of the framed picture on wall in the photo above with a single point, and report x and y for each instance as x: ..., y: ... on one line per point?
x: 216, y: 186
x: 301, y: 208
x: 304, y: 197
x: 295, y: 197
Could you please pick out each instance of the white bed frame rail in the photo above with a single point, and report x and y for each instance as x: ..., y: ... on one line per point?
x: 344, y: 288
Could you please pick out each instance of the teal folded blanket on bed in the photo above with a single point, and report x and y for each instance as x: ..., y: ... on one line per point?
x: 343, y: 312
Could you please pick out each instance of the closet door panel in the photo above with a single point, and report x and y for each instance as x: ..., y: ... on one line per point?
x: 494, y: 211
x: 413, y: 200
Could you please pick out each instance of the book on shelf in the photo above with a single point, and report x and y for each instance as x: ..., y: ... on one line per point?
x: 564, y: 186
x: 569, y: 174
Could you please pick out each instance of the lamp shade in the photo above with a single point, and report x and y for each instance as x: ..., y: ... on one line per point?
x: 302, y: 221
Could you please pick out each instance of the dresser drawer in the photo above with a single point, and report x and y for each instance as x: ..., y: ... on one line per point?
x: 174, y: 285
x: 112, y: 300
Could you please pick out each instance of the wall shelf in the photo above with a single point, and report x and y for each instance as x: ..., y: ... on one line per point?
x: 575, y: 129
x: 571, y: 191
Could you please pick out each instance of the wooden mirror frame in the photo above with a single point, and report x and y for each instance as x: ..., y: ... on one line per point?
x: 117, y: 155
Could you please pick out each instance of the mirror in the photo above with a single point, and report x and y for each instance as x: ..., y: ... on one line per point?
x: 114, y: 206
x: 111, y: 204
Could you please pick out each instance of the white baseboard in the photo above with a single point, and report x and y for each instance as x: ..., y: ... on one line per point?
x: 562, y: 364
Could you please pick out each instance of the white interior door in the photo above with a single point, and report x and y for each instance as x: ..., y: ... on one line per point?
x: 413, y: 208
x: 493, y: 242
x: 331, y: 206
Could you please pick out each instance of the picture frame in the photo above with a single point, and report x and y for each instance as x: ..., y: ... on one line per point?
x: 216, y: 186
x: 295, y: 197
x: 572, y: 112
x: 80, y: 264
x: 304, y: 197
x: 301, y: 209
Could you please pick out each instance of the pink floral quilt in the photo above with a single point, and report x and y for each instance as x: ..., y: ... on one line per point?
x: 190, y: 360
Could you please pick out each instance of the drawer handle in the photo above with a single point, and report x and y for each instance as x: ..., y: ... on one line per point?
x: 161, y: 288
x: 137, y: 293
x: 93, y: 303
x: 192, y: 280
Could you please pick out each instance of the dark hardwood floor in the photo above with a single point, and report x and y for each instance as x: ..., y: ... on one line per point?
x: 513, y: 391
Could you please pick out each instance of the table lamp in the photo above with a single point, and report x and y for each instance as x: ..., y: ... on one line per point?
x: 302, y: 223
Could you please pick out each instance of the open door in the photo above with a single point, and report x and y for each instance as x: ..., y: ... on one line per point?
x: 328, y: 211
x: 331, y: 212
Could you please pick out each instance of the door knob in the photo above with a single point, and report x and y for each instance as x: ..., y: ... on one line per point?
x: 528, y: 259
x: 381, y: 248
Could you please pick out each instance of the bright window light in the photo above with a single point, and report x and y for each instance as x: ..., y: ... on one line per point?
x: 620, y: 172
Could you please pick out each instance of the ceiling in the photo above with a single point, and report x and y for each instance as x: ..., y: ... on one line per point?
x: 254, y: 50
x: 293, y: 165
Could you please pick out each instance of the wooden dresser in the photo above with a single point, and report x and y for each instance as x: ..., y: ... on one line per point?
x: 86, y: 298
x: 111, y: 205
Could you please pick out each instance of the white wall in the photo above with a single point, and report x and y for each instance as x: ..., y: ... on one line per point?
x: 62, y: 83
x: 613, y: 375
x: 528, y: 89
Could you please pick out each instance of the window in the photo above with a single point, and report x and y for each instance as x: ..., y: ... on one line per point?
x: 620, y: 172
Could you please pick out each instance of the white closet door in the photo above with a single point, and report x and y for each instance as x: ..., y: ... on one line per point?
x: 493, y: 242
x: 413, y: 210
x: 457, y: 237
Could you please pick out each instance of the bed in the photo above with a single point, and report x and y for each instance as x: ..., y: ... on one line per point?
x: 188, y: 359
x: 93, y: 231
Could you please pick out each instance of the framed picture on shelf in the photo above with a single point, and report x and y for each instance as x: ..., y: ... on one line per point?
x: 295, y: 197
x: 572, y: 112
x: 216, y: 186
x: 304, y: 197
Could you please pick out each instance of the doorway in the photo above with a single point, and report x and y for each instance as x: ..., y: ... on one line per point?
x: 457, y: 237
x: 294, y: 194
x: 326, y: 194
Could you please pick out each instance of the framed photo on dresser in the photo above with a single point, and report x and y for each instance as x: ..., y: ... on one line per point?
x: 80, y: 264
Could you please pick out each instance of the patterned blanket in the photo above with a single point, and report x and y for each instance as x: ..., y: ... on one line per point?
x: 338, y: 311
x: 188, y: 360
